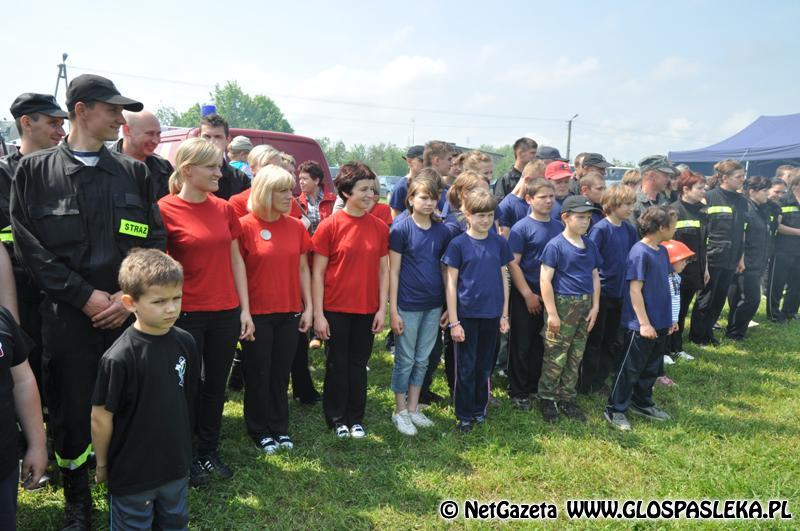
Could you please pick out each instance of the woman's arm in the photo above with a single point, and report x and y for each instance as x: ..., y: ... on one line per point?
x: 321, y: 327
x: 383, y: 295
x: 395, y: 261
x: 240, y: 282
x: 307, y: 317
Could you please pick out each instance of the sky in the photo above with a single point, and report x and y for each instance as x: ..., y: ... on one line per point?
x: 643, y: 77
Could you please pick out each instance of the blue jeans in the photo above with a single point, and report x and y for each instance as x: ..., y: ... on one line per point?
x: 474, y: 362
x: 412, y: 348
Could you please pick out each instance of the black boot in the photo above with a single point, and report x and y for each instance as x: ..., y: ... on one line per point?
x: 78, y: 499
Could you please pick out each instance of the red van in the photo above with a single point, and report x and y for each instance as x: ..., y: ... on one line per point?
x: 301, y: 148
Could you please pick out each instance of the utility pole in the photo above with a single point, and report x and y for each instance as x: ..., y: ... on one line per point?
x: 62, y: 73
x: 569, y: 133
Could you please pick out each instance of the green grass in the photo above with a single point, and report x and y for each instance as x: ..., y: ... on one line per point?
x: 735, y: 435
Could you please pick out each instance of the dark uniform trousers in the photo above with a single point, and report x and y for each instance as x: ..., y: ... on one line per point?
x: 743, y: 300
x: 302, y: 384
x: 603, y: 349
x: 526, y: 347
x: 784, y: 272
x: 641, y: 364
x: 710, y: 302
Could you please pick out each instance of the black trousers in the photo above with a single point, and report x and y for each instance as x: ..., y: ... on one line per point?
x: 784, y: 273
x: 344, y: 396
x: 525, y: 347
x: 710, y: 302
x: 603, y: 348
x: 215, y: 334
x: 443, y: 345
x: 29, y: 301
x: 641, y: 365
x: 744, y: 297
x: 72, y: 349
x: 302, y: 384
x: 688, y: 291
x: 266, y: 364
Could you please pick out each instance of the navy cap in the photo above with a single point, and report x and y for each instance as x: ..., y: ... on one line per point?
x: 549, y: 153
x: 595, y: 159
x: 658, y: 163
x: 32, y: 103
x: 415, y: 152
x: 578, y: 204
x: 88, y: 87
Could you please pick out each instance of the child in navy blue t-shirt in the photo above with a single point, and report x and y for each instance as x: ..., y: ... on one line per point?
x: 416, y: 294
x: 570, y: 285
x: 527, y: 240
x: 477, y: 304
x: 614, y: 236
x: 646, y: 318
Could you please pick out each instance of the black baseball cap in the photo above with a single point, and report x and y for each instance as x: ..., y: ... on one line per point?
x: 549, y: 153
x: 578, y: 204
x: 415, y: 152
x: 88, y: 87
x: 658, y: 163
x: 32, y: 103
x: 595, y: 159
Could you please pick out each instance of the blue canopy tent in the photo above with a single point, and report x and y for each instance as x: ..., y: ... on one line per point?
x: 762, y: 146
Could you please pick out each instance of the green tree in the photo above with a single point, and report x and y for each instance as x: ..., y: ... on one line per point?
x: 238, y: 108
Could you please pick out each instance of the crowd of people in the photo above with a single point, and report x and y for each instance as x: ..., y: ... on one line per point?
x: 133, y: 292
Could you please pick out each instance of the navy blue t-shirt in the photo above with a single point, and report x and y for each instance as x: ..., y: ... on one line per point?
x: 573, y: 266
x: 556, y: 212
x: 512, y: 209
x: 399, y: 192
x: 528, y: 238
x: 480, y: 282
x: 614, y: 244
x: 421, y: 286
x: 652, y: 267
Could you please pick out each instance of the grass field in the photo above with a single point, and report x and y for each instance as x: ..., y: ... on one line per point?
x: 735, y: 435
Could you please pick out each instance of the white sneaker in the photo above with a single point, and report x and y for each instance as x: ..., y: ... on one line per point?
x: 668, y: 360
x: 684, y: 356
x: 419, y: 419
x: 357, y: 431
x: 403, y: 423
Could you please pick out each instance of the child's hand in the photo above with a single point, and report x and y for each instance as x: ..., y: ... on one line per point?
x: 247, y: 327
x: 322, y: 328
x: 397, y: 323
x: 378, y: 320
x: 306, y: 320
x: 33, y: 466
x: 674, y: 328
x: 534, y: 303
x: 457, y: 333
x: 443, y: 320
x: 648, y: 331
x: 504, y: 325
x: 553, y: 324
x: 100, y: 474
x: 591, y: 319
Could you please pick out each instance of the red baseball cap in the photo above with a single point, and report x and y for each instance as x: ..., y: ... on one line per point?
x: 557, y: 170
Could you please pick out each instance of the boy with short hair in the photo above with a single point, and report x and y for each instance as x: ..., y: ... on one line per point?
x: 647, y: 319
x: 570, y: 285
x: 140, y: 413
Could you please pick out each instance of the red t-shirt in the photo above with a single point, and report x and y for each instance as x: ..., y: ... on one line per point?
x: 239, y: 204
x: 273, y: 264
x: 354, y: 247
x: 199, y: 236
x: 383, y: 212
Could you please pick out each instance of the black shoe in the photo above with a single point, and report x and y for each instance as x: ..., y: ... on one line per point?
x: 309, y: 401
x: 214, y: 465
x: 429, y: 398
x: 549, y: 410
x: 77, y: 516
x: 571, y: 410
x: 523, y: 404
x: 464, y: 426
x: 198, y: 475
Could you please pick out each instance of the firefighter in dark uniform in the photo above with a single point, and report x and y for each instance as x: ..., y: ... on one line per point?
x: 785, y: 269
x: 690, y: 229
x: 40, y: 123
x: 744, y: 295
x: 727, y: 213
x: 76, y: 211
x: 214, y: 128
x: 141, y: 135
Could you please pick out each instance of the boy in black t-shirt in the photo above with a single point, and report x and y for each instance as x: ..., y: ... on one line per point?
x: 18, y: 394
x: 140, y: 415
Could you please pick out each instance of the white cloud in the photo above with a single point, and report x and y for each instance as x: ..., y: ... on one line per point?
x: 559, y: 73
x: 679, y: 126
x: 738, y: 121
x: 675, y: 68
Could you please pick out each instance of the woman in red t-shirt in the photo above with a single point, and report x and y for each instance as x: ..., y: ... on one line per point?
x: 202, y: 232
x: 274, y: 247
x: 350, y: 286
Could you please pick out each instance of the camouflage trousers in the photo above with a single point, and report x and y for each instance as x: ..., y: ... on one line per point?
x: 563, y: 351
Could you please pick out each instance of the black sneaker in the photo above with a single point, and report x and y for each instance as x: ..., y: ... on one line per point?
x: 429, y: 398
x: 214, y: 465
x: 77, y: 516
x: 523, y: 404
x: 549, y: 410
x: 198, y: 475
x: 571, y: 410
x: 464, y: 426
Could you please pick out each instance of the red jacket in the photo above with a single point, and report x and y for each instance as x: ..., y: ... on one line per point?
x: 325, y: 206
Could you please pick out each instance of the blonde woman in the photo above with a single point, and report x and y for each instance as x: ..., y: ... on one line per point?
x: 202, y: 232
x: 275, y: 248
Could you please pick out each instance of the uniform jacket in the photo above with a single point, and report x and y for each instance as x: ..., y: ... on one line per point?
x: 691, y: 229
x: 727, y: 213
